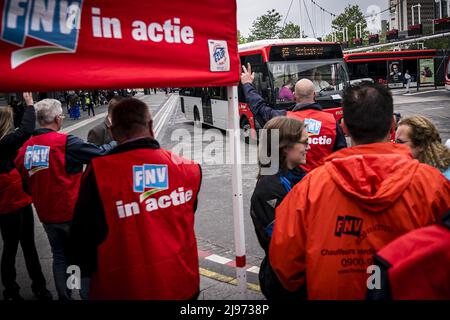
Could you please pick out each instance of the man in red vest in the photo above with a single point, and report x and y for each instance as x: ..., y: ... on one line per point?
x: 325, y: 134
x: 51, y: 164
x: 133, y: 229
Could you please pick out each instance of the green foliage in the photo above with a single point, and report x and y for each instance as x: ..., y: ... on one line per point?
x: 291, y: 30
x: 349, y: 18
x: 266, y: 26
x: 241, y: 39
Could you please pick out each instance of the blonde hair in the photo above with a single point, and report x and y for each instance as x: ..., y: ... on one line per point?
x: 424, y: 134
x: 6, y: 121
x: 290, y: 132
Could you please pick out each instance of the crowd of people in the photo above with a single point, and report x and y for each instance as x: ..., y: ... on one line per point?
x: 327, y: 214
x: 322, y: 223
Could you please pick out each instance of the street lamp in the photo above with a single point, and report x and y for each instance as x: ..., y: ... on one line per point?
x: 440, y: 7
x: 345, y: 34
x: 412, y: 12
x: 358, y: 26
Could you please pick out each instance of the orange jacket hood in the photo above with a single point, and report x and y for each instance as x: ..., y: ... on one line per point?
x: 374, y: 175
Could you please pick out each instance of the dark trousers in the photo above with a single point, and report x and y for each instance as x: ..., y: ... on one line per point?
x: 91, y: 108
x: 58, y: 234
x: 18, y: 227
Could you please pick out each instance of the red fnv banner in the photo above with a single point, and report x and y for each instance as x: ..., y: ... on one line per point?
x: 48, y: 45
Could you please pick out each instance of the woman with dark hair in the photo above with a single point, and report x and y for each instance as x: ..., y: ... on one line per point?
x: 275, y: 179
x: 16, y: 214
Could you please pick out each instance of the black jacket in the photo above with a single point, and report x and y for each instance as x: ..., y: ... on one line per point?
x: 263, y: 112
x: 79, y: 152
x: 12, y: 142
x: 268, y: 194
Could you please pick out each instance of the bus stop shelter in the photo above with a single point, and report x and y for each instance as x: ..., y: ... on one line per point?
x: 86, y: 44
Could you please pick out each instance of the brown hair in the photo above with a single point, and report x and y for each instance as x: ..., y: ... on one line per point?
x: 289, y: 133
x: 113, y: 103
x: 6, y: 121
x: 424, y: 134
x: 130, y: 116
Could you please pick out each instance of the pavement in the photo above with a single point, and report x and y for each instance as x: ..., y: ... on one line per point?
x: 213, y: 285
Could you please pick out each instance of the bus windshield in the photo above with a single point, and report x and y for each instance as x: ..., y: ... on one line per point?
x: 328, y: 77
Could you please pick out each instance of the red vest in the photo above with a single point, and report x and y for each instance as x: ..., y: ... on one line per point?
x: 42, y: 163
x: 420, y: 264
x: 12, y: 196
x: 150, y: 252
x: 322, y: 134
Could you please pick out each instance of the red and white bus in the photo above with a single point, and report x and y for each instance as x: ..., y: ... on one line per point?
x: 382, y: 66
x: 275, y: 62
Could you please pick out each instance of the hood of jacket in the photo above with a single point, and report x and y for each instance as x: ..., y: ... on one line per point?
x: 374, y: 175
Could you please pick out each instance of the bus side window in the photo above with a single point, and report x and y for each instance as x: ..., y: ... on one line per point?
x: 261, y: 83
x: 219, y: 93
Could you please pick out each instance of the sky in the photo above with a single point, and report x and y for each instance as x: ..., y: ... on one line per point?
x: 249, y: 10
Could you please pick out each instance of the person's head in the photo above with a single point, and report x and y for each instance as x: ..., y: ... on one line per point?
x: 305, y: 91
x: 318, y: 76
x: 131, y: 119
x: 292, y: 144
x: 49, y: 114
x: 6, y: 121
x: 422, y: 136
x: 289, y: 84
x: 111, y: 105
x: 395, y: 67
x: 368, y: 113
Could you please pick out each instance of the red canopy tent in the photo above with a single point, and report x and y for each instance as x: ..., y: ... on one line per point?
x: 49, y: 45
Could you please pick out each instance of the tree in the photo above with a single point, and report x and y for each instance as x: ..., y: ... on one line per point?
x: 349, y: 18
x: 266, y: 26
x: 291, y: 30
x: 241, y: 39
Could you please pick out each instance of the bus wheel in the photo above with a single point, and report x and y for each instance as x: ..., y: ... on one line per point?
x: 197, y: 122
x: 245, y: 129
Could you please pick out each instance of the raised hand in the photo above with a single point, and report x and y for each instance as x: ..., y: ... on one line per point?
x: 247, y: 76
x: 28, y: 97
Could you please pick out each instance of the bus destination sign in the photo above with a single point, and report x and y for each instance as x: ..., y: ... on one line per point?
x: 307, y: 52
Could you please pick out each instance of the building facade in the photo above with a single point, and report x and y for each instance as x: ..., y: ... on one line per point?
x: 401, y: 13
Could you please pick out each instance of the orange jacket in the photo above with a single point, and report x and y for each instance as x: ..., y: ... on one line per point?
x: 332, y: 222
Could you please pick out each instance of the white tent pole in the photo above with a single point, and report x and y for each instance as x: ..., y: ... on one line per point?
x: 236, y: 179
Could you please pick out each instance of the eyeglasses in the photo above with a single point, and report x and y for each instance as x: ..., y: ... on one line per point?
x: 306, y: 143
x: 400, y: 141
x: 62, y: 116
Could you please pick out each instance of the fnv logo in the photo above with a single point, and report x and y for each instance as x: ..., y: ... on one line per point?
x: 55, y: 22
x: 219, y: 58
x: 348, y: 225
x: 149, y: 179
x: 313, y: 126
x: 36, y: 158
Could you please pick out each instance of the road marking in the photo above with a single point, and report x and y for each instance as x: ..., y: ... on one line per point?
x: 171, y: 104
x: 253, y: 269
x: 218, y: 259
x: 421, y: 92
x: 83, y: 123
x: 230, y: 280
x: 434, y: 108
x: 98, y: 116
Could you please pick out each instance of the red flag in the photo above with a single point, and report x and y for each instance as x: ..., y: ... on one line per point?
x: 48, y: 45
